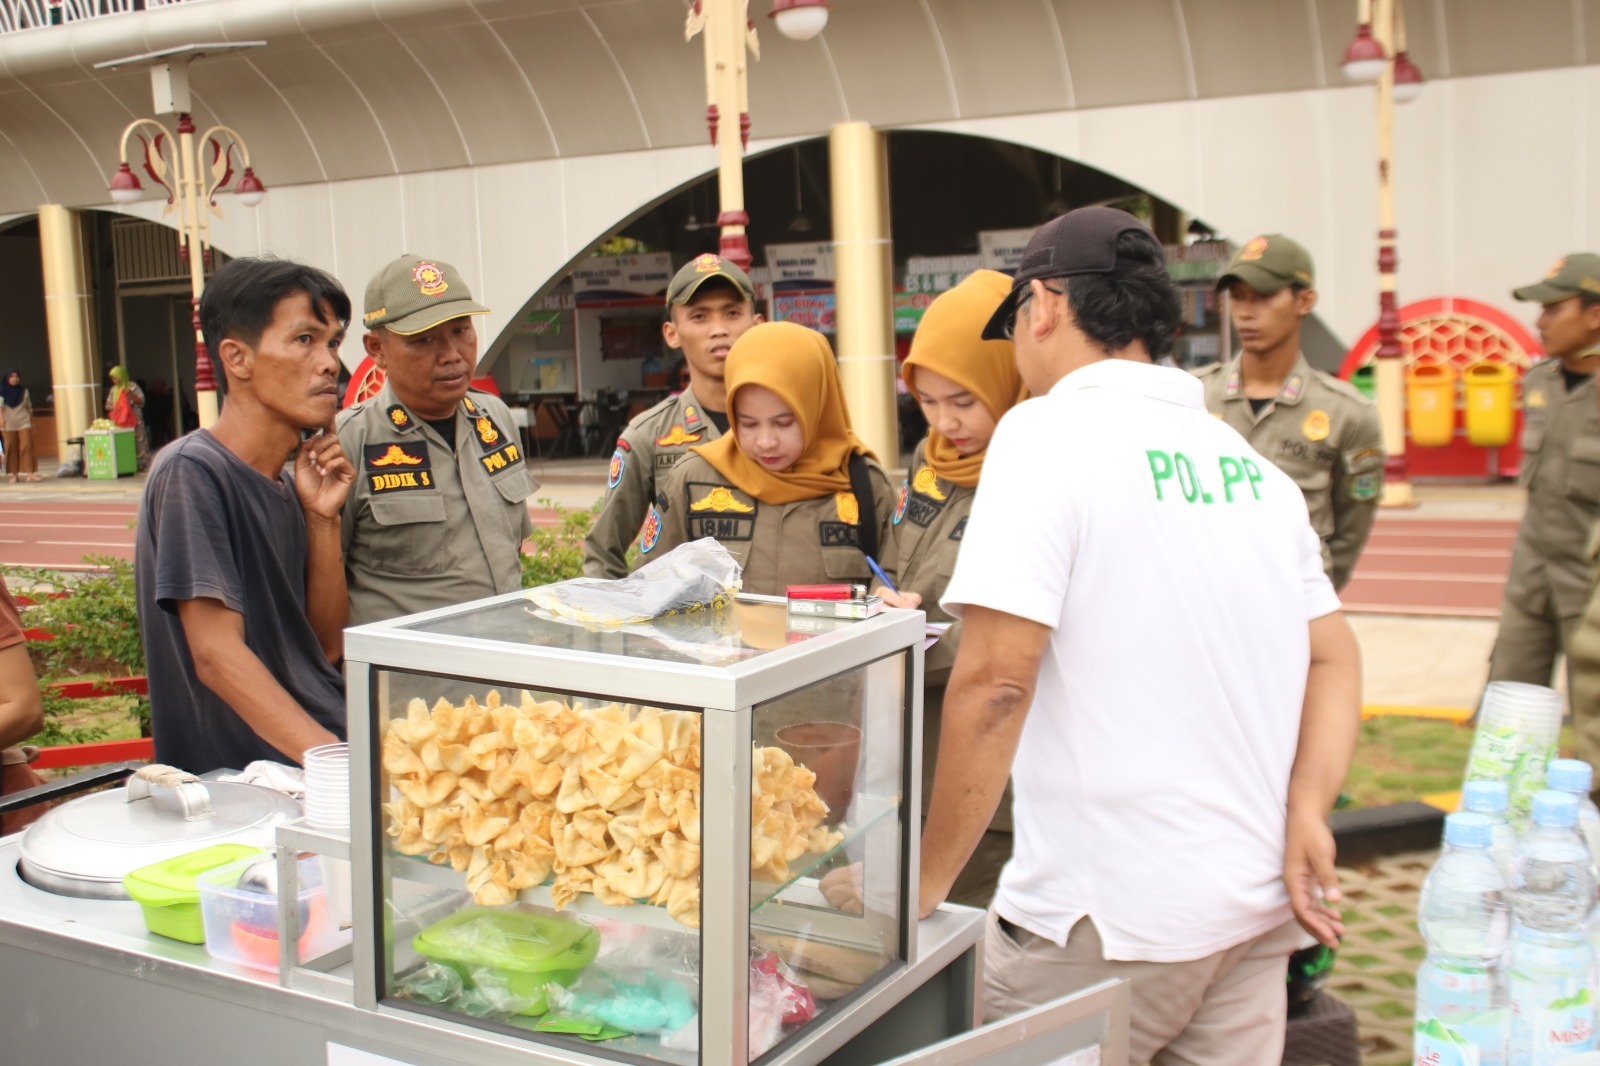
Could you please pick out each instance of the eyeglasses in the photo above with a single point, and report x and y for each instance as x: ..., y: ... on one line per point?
x: 1011, y: 323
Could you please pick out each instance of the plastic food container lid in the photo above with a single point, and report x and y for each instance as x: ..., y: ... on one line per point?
x: 509, y: 940
x: 173, y: 880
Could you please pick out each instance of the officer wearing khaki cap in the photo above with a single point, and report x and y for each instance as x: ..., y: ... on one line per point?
x: 710, y: 304
x: 1549, y: 582
x: 439, y: 509
x: 1314, y: 427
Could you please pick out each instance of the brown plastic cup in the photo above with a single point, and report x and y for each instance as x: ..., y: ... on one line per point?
x: 831, y: 750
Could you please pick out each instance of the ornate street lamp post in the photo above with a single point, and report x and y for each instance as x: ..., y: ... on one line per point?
x: 1380, y: 36
x: 729, y: 36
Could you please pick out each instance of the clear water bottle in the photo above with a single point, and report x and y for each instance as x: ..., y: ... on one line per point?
x: 1552, y: 1005
x: 1464, y: 914
x: 1490, y: 799
x: 1575, y: 776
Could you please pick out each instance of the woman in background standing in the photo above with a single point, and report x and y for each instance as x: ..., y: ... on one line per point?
x: 16, y: 422
x: 141, y: 437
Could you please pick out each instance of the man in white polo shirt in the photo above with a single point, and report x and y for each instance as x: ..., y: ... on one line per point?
x: 1154, y: 653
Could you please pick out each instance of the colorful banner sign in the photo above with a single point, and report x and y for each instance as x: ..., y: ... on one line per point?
x: 541, y: 323
x: 814, y: 311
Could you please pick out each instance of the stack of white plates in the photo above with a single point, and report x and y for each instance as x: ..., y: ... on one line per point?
x: 1519, y: 727
x: 328, y: 787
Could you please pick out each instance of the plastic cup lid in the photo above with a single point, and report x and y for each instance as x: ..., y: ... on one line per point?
x: 1570, y: 775
x: 1555, y: 809
x: 1490, y: 797
x: 1466, y: 830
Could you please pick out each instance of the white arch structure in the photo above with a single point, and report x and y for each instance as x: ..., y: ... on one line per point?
x: 509, y: 135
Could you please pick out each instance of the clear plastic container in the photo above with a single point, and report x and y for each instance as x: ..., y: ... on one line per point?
x: 241, y: 920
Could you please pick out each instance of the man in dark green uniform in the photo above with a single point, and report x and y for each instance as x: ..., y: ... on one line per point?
x: 710, y: 304
x: 1317, y: 429
x: 1549, y: 582
x: 439, y: 511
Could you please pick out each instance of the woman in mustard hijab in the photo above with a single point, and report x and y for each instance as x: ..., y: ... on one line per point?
x: 964, y: 385
x: 782, y: 492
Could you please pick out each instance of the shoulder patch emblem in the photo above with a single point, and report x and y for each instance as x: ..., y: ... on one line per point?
x: 927, y: 484
x: 429, y: 279
x: 395, y: 455
x: 676, y: 436
x: 1316, y: 426
x: 1365, y: 487
x: 1364, y: 460
x: 721, y: 500
x: 900, y: 505
x: 691, y: 419
x: 651, y: 531
x: 618, y: 459
x: 486, y: 431
x: 399, y: 417
x: 960, y: 530
x: 848, y: 509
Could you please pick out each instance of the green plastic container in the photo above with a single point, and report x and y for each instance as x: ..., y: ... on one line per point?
x: 109, y: 453
x: 168, y: 895
x: 522, y: 950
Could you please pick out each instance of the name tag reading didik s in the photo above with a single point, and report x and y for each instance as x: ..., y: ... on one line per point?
x: 1174, y: 476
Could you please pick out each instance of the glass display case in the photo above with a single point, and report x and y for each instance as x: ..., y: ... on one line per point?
x: 690, y: 840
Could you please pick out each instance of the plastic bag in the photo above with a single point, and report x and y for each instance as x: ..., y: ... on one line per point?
x: 697, y: 576
x: 122, y: 412
x: 777, y: 999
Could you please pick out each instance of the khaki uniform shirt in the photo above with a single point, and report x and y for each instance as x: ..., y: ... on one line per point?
x: 777, y: 544
x: 424, y: 527
x: 646, y: 453
x: 1561, y: 471
x: 930, y: 516
x: 1325, y: 435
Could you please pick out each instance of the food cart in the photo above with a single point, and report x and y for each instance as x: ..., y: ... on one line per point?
x: 688, y: 841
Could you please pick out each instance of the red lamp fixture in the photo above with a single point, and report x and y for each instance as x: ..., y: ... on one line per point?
x: 1364, y: 60
x: 1408, y: 80
x: 250, y: 191
x: 125, y: 187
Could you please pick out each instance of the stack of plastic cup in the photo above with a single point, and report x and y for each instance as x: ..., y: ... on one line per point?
x: 328, y: 808
x: 1518, y: 729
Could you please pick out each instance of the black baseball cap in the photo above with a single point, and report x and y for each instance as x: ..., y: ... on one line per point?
x: 1083, y: 241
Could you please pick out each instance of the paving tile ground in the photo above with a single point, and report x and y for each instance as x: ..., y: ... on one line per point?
x: 1375, y: 972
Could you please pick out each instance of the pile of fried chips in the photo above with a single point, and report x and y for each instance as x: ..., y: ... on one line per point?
x: 605, y: 799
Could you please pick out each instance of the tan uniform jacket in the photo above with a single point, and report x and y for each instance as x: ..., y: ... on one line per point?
x: 646, y: 453
x: 1561, y: 471
x: 930, y: 517
x: 425, y: 528
x: 1325, y: 435
x: 778, y: 544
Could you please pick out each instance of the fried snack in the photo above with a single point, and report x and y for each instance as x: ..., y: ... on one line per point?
x: 605, y: 800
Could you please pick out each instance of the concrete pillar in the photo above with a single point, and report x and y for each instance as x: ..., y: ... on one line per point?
x: 863, y: 267
x: 67, y: 308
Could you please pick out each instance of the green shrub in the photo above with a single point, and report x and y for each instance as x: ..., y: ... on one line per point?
x: 558, y: 550
x: 95, y: 630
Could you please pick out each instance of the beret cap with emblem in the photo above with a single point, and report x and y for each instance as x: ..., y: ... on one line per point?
x: 1082, y: 241
x: 1571, y: 275
x: 413, y: 294
x: 1269, y: 264
x: 701, y: 269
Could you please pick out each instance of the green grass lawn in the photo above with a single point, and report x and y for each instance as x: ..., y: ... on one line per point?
x: 1399, y: 759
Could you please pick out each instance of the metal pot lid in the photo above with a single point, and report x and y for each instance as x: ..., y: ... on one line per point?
x: 83, y: 848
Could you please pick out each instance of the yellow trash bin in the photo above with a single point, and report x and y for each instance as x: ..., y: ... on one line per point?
x: 1431, y: 404
x: 1491, y: 404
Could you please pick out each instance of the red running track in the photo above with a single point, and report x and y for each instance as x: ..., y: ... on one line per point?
x: 58, y: 534
x: 1433, y: 566
x: 1427, y: 566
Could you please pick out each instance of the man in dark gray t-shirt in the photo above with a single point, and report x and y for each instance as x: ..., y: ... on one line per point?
x: 239, y: 578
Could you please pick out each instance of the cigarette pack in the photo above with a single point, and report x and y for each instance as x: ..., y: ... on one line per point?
x: 862, y: 607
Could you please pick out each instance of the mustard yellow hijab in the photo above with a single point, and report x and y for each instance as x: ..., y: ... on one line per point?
x: 798, y: 365
x: 950, y: 343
